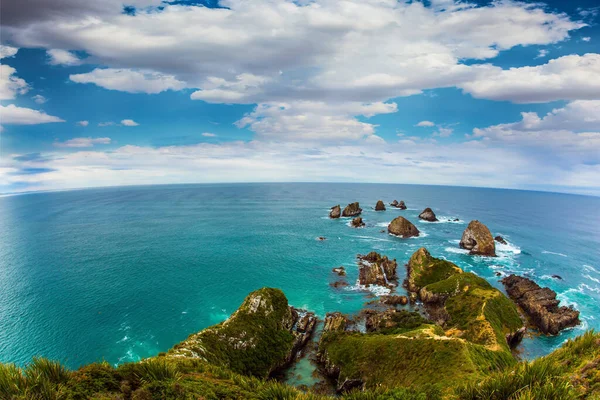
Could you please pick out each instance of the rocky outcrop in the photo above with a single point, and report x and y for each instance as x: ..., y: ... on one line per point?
x: 388, y: 320
x: 264, y: 327
x: 357, y: 222
x: 380, y: 206
x: 352, y: 210
x: 335, y: 211
x: 394, y: 203
x: 513, y: 339
x: 500, y: 239
x: 335, y: 322
x: 540, y: 305
x: 428, y: 215
x: 341, y: 271
x: 423, y: 269
x: 375, y: 269
x: 399, y: 205
x: 394, y: 300
x: 403, y: 228
x: 478, y: 239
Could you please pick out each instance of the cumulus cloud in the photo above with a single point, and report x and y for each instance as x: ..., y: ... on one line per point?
x: 208, y: 134
x: 7, y: 51
x: 281, y: 51
x: 543, y: 53
x: 443, y: 132
x: 128, y: 80
x: 312, y: 120
x: 83, y: 123
x: 10, y: 84
x: 14, y: 115
x: 62, y: 57
x: 425, y: 124
x: 586, y: 38
x: 38, y: 98
x: 129, y: 122
x: 570, y: 77
x: 83, y: 142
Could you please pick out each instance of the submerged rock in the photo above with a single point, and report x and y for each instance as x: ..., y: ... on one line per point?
x: 341, y: 271
x: 321, y: 238
x: 540, y: 304
x: 380, y: 206
x: 402, y: 227
x: 558, y: 277
x: 339, y: 284
x: 428, y: 215
x: 358, y: 222
x: 352, y: 210
x: 375, y: 269
x: 500, y: 239
x: 335, y: 211
x: 478, y: 239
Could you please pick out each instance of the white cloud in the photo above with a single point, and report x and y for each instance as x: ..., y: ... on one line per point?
x: 208, y: 134
x: 543, y: 53
x: 315, y: 121
x: 83, y: 142
x: 7, y: 51
x: 38, y: 98
x: 62, y: 57
x: 586, y: 39
x: 443, y: 132
x: 10, y: 84
x: 425, y: 124
x: 83, y: 123
x: 282, y: 51
x: 570, y: 77
x: 129, y: 122
x: 127, y: 80
x: 12, y: 114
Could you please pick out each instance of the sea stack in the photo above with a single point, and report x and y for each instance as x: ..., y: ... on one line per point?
x: 478, y: 239
x: 500, y: 239
x: 394, y: 203
x: 352, y: 210
x: 335, y: 212
x: 402, y: 227
x: 401, y: 205
x: 428, y: 215
x: 375, y: 269
x: 358, y: 222
x: 380, y: 206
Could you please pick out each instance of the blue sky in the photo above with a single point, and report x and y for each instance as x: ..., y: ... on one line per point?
x: 496, y: 94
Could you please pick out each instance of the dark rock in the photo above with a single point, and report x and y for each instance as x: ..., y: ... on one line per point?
x: 500, y: 239
x: 513, y: 339
x: 380, y: 206
x: 402, y: 227
x: 498, y: 273
x: 358, y: 222
x: 352, y: 210
x: 339, y: 284
x: 394, y: 203
x: 341, y: 271
x: 394, y: 300
x: 399, y: 205
x: 335, y: 212
x: 321, y: 238
x: 540, y: 304
x: 478, y: 240
x: 456, y: 220
x: 557, y: 277
x: 376, y: 270
x: 428, y: 215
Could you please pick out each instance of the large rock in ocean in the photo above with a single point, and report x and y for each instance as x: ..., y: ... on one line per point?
x: 399, y: 205
x: 375, y: 269
x: 394, y: 203
x: 380, y: 206
x: 335, y: 211
x: 478, y: 239
x: 352, y: 210
x: 540, y: 304
x: 357, y: 222
x: 428, y: 215
x: 402, y: 227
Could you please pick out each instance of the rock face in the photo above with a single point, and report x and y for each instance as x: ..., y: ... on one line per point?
x: 375, y: 269
x: 402, y: 227
x: 478, y: 240
x: 352, y: 210
x: 263, y: 328
x: 335, y: 211
x: 428, y: 215
x: 358, y: 222
x: 513, y: 339
x: 335, y: 322
x: 541, y: 305
x: 500, y: 239
x: 380, y: 206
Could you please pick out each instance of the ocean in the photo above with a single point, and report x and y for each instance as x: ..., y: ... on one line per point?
x: 120, y: 274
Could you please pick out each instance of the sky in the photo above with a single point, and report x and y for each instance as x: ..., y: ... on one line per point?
x: 492, y: 94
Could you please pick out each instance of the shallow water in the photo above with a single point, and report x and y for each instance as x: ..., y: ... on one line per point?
x: 124, y: 273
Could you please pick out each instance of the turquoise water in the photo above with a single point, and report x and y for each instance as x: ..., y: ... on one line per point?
x: 123, y: 273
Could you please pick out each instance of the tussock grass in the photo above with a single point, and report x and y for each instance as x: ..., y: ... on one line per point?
x: 158, y: 369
